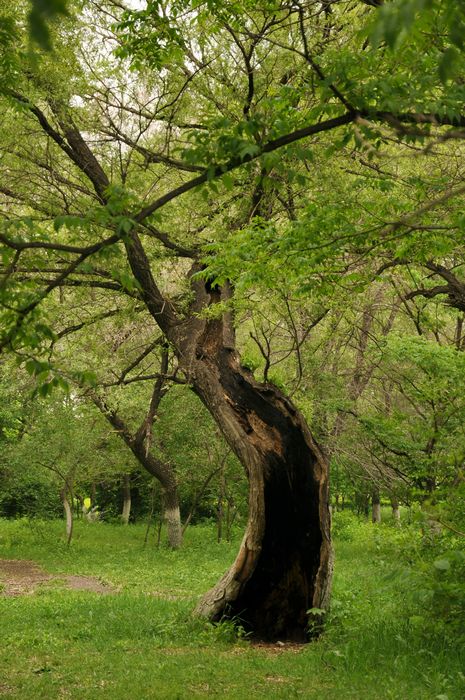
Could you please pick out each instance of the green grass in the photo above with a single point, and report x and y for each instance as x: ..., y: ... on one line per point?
x: 143, y: 643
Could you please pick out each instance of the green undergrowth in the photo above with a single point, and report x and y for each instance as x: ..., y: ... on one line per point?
x: 382, y: 639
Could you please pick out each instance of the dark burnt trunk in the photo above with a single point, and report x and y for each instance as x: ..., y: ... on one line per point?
x: 283, y: 568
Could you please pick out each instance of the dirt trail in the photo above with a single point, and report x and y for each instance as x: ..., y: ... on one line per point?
x: 22, y: 577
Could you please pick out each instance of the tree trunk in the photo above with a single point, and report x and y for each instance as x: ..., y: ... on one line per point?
x: 284, y: 564
x: 162, y: 471
x: 375, y: 507
x: 220, y: 506
x: 68, y: 514
x: 172, y: 516
x: 230, y: 517
x: 395, y: 511
x: 126, y: 499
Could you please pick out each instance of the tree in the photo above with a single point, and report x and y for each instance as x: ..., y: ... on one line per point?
x: 214, y: 121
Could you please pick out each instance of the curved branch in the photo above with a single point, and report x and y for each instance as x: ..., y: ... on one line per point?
x: 217, y: 171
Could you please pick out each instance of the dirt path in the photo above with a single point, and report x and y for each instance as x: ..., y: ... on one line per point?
x: 21, y: 577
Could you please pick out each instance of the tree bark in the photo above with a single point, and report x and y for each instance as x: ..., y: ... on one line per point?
x: 395, y: 510
x: 126, y: 484
x: 375, y: 507
x: 284, y: 564
x: 172, y: 516
x: 68, y: 514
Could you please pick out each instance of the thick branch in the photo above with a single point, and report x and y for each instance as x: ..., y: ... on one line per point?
x: 159, y: 307
x: 217, y: 171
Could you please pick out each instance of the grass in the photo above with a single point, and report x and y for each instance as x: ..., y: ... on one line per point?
x: 143, y: 643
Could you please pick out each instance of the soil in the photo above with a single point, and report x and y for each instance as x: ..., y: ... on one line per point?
x: 21, y: 577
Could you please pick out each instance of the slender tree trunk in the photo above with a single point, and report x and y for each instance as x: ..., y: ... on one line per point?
x: 395, y: 510
x: 220, y: 507
x: 197, y: 499
x: 375, y: 507
x: 126, y: 484
x: 152, y: 509
x: 160, y: 523
x: 231, y: 513
x: 64, y: 495
x: 162, y: 471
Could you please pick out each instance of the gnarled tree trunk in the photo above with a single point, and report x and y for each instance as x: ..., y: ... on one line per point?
x: 284, y: 564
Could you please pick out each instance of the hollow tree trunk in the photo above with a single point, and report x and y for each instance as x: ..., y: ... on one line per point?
x: 284, y: 564
x: 126, y: 484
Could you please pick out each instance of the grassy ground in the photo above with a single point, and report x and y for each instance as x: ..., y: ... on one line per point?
x: 142, y: 642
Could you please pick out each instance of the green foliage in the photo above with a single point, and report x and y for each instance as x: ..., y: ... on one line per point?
x: 9, y: 37
x: 43, y: 12
x: 402, y: 21
x: 196, y: 449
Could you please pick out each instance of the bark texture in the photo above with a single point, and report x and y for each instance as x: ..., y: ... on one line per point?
x: 126, y: 512
x: 172, y: 517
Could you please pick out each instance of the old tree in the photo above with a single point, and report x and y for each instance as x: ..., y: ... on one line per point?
x: 145, y: 141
